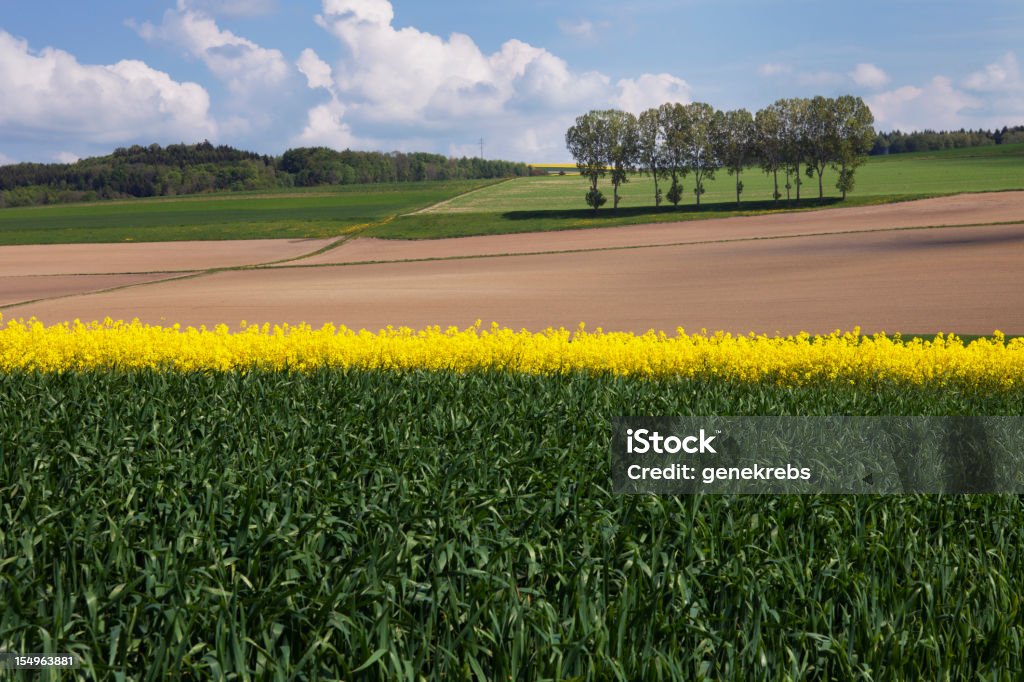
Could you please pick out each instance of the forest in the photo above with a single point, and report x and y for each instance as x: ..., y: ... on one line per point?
x: 176, y: 169
x: 897, y: 142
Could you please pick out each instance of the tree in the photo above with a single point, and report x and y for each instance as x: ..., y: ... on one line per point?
x: 587, y: 141
x: 738, y: 144
x: 819, y: 147
x: 768, y: 122
x: 650, y: 140
x: 854, y: 134
x: 672, y: 124
x: 623, y: 148
x: 794, y: 139
x: 700, y: 143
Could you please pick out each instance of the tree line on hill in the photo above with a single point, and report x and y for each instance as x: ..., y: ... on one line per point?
x: 674, y: 141
x: 897, y: 142
x: 190, y: 169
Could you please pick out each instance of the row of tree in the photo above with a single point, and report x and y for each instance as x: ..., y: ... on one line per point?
x: 674, y: 141
x: 898, y: 142
x: 139, y: 171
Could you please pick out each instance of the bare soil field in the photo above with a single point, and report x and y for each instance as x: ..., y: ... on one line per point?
x: 963, y: 209
x: 30, y: 288
x: 91, y: 259
x: 849, y: 268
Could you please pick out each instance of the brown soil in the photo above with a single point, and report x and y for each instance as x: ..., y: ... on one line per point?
x: 960, y: 279
x: 16, y: 289
x: 964, y: 209
x: 75, y: 259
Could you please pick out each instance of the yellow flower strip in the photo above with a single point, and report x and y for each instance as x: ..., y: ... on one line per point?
x: 791, y: 360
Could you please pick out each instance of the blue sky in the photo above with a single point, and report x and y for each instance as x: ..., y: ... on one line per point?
x: 78, y: 79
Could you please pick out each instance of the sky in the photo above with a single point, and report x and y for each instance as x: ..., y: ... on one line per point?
x: 80, y: 79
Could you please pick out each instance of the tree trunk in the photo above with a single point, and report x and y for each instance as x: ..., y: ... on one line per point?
x: 789, y: 185
x: 615, y: 189
x: 737, y: 188
x: 798, y: 183
x: 844, y: 178
x: 657, y: 194
x: 775, y: 176
x: 821, y: 191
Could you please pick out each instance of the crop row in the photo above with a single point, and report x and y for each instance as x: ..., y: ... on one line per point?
x: 350, y: 524
x: 786, y: 360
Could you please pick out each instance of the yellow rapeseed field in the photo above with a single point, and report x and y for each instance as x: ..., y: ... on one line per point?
x: 790, y: 360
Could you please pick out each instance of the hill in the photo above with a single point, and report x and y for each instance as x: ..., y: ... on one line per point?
x: 201, y: 168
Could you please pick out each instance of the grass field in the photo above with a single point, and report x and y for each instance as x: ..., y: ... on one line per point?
x: 323, y: 213
x: 431, y: 525
x: 520, y: 205
x: 556, y: 202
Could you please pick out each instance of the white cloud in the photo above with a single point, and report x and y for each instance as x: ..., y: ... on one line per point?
x: 66, y: 157
x: 317, y: 72
x: 325, y: 127
x: 377, y: 12
x: 770, y: 70
x: 584, y: 29
x: 403, y: 83
x: 49, y: 92
x: 869, y: 76
x: 5, y: 160
x: 246, y: 68
x: 651, y: 90
x: 937, y: 105
x: 1002, y: 76
x: 235, y: 8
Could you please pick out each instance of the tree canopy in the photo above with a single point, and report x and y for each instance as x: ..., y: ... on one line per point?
x: 675, y: 141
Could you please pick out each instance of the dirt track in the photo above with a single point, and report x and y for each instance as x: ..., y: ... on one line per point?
x: 962, y: 279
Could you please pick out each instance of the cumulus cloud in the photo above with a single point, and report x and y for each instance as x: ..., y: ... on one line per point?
x: 406, y: 83
x: 246, y: 68
x: 651, y: 90
x: 317, y: 72
x: 325, y: 127
x: 66, y: 157
x: 1002, y: 76
x: 936, y: 105
x: 869, y: 76
x: 4, y: 159
x: 50, y: 93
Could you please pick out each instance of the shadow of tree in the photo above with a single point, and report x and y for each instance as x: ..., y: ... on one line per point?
x: 681, y: 211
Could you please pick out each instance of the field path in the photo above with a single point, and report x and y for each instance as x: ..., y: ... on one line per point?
x: 880, y: 268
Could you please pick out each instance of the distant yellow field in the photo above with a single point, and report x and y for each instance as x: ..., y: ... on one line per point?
x: 567, y: 168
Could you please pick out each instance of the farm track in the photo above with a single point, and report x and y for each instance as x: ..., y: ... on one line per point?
x: 879, y: 267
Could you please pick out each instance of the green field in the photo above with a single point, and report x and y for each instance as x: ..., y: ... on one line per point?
x: 417, y: 525
x: 520, y: 205
x: 556, y: 202
x: 325, y: 212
